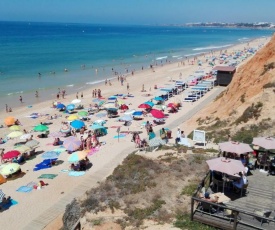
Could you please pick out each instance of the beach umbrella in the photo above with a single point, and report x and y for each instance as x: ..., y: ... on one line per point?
x: 22, y: 148
x: 126, y: 118
x: 15, y: 128
x: 9, y: 169
x: 9, y: 121
x: 71, y: 143
x: 235, y: 147
x: 70, y: 107
x: 171, y: 105
x: 65, y: 129
x: 149, y: 103
x: 77, y: 156
x: 40, y: 128
x: 101, y: 114
x: 83, y: 113
x: 137, y: 113
x: 60, y: 106
x: 76, y: 101
x: 129, y: 112
x: 11, y: 154
x: 60, y: 149
x: 50, y: 155
x: 25, y: 136
x: 77, y: 124
x: 264, y: 142
x: 99, y: 127
x: 227, y: 166
x: 112, y: 98
x: 57, y: 134
x: 124, y: 107
x: 72, y: 117
x: 99, y: 122
x: 158, y: 99
x: 15, y: 134
x: 157, y: 113
x: 32, y: 143
x: 144, y: 106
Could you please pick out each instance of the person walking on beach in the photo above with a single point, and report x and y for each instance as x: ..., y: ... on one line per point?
x: 21, y: 99
x: 106, y: 82
x: 81, y: 95
x: 128, y: 86
x: 76, y: 95
x: 36, y: 93
x: 7, y: 108
x: 63, y: 93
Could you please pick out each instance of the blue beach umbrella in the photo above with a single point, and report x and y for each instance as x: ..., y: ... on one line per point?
x: 137, y: 113
x: 149, y: 103
x: 99, y: 127
x: 77, y: 124
x: 158, y: 99
x: 50, y: 155
x: 70, y: 107
x: 60, y: 106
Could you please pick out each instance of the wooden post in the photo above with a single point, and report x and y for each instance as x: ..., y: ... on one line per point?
x: 192, y: 209
x: 235, y: 220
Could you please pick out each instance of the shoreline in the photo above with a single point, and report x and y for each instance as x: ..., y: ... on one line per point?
x: 105, y: 70
x: 108, y: 155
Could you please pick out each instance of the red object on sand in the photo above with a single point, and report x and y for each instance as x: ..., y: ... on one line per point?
x: 157, y: 113
x: 123, y: 107
x: 11, y: 154
x: 144, y: 106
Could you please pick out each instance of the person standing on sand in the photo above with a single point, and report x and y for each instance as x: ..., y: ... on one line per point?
x: 81, y: 95
x: 106, y: 82
x: 36, y: 93
x: 76, y: 95
x: 128, y: 86
x: 7, y: 108
x: 21, y: 99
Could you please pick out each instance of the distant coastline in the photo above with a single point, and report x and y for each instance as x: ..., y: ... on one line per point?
x: 259, y: 25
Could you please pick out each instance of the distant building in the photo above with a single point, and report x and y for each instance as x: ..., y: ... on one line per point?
x: 224, y: 74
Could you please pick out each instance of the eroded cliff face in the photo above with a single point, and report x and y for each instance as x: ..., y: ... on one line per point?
x: 253, y: 84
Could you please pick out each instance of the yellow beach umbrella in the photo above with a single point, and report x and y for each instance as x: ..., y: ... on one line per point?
x: 15, y: 128
x: 9, y: 169
x: 72, y: 117
x: 15, y: 134
x: 23, y: 148
x: 120, y: 102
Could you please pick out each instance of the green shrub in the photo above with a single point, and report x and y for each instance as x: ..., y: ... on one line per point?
x: 183, y: 222
x: 189, y: 190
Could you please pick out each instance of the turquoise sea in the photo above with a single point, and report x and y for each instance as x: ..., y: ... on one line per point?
x: 33, y: 56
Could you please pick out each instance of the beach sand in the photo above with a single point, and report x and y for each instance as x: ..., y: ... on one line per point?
x: 36, y: 203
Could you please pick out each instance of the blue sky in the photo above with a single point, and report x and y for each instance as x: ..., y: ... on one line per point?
x: 137, y: 11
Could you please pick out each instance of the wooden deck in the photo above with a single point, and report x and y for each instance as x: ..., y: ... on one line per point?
x: 260, y: 196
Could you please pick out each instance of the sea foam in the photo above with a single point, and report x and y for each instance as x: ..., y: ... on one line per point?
x: 212, y: 47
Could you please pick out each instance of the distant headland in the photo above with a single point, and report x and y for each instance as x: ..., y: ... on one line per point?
x: 257, y: 25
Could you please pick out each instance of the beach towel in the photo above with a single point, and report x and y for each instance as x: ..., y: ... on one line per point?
x: 40, y: 167
x: 120, y: 136
x: 12, y: 203
x: 64, y: 170
x: 76, y: 173
x: 31, y: 184
x: 24, y: 189
x: 92, y: 151
x: 48, y: 176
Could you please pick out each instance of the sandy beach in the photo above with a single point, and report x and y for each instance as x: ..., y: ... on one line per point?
x: 34, y: 204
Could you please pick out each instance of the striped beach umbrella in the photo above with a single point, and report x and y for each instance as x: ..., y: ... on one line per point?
x: 71, y: 143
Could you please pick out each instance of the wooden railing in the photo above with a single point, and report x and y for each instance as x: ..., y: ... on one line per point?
x: 236, y: 213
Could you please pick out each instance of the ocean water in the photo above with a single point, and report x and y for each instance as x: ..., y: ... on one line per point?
x: 33, y: 56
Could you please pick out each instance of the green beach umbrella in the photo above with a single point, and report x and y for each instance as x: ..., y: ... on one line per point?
x: 83, y: 113
x: 40, y: 128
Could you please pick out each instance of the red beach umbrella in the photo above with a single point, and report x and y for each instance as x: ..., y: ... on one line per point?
x: 11, y: 154
x: 144, y: 106
x: 171, y: 105
x: 157, y: 113
x: 124, y: 107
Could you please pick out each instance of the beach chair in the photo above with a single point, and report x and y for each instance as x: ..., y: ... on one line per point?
x: 189, y: 99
